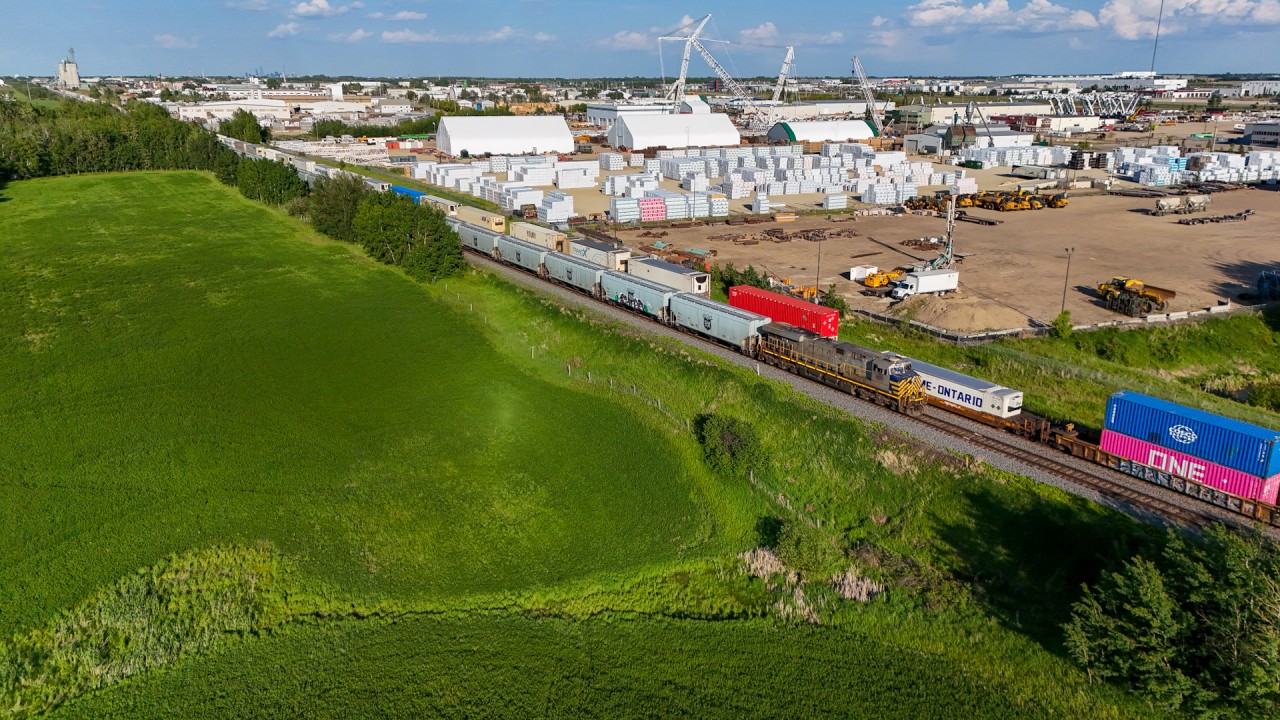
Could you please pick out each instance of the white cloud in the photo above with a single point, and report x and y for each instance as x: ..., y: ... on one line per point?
x: 351, y: 37
x: 503, y: 33
x: 284, y: 30
x: 626, y: 40
x: 409, y: 15
x: 1136, y: 19
x: 544, y: 37
x: 684, y: 21
x: 763, y: 33
x: 877, y: 21
x: 835, y: 37
x: 320, y: 8
x: 169, y: 41
x: 1035, y: 16
x: 409, y: 36
x: 377, y: 15
x: 248, y: 4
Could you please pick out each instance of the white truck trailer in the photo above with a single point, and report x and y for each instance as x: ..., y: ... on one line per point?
x: 925, y: 282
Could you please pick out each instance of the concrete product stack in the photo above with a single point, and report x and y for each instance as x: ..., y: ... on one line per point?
x: 719, y: 205
x: 761, y: 204
x: 880, y: 194
x: 652, y: 209
x: 628, y: 185
x: 556, y: 207
x: 677, y: 168
x: 612, y: 161
x: 482, y: 166
x: 653, y: 166
x: 534, y: 175
x: 699, y: 205
x: 499, y: 164
x: 964, y: 186
x: 624, y: 210
x: 676, y: 204
x: 695, y: 182
x: 835, y: 202
x: 635, y: 160
x: 513, y: 198
x: 1010, y: 156
x: 736, y: 187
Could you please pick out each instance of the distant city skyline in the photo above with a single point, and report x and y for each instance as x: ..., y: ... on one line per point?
x: 554, y: 38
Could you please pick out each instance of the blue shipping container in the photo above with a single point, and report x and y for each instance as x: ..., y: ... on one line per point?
x: 1231, y: 443
x: 414, y: 195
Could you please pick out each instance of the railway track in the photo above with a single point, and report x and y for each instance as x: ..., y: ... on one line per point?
x: 1121, y: 493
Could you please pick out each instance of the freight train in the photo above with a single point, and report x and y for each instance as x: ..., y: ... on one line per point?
x: 908, y: 386
x: 883, y: 378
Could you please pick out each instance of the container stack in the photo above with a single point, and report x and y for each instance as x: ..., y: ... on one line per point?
x: 1162, y: 439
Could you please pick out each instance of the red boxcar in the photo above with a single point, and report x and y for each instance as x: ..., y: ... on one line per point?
x: 823, y: 320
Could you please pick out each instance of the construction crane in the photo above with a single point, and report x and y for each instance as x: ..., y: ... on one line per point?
x: 757, y: 118
x: 947, y: 257
x: 676, y: 93
x: 787, y: 62
x: 867, y: 95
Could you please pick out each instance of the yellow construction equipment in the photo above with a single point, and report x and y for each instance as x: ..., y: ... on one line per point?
x: 882, y: 279
x: 1134, y: 297
x: 1057, y: 201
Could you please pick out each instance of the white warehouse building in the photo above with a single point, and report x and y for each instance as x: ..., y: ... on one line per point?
x: 822, y: 131
x: 674, y: 131
x: 503, y: 135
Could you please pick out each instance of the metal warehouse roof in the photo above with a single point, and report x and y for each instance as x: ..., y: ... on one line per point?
x: 503, y: 135
x: 673, y: 131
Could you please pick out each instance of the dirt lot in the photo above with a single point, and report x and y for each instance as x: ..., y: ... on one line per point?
x: 1013, y: 273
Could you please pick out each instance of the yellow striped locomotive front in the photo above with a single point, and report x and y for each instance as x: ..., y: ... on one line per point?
x: 880, y: 377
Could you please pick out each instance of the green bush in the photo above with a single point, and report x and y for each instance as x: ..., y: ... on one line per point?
x: 732, y: 446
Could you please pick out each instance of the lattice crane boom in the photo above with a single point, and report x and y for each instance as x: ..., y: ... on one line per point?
x: 867, y: 95
x: 787, y: 62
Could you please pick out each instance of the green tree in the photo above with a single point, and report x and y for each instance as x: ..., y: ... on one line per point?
x: 244, y: 126
x: 395, y: 230
x: 273, y: 83
x: 833, y: 299
x: 1061, y: 325
x: 333, y: 204
x: 269, y: 181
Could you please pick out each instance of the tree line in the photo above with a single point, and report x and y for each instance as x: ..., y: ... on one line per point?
x: 80, y: 137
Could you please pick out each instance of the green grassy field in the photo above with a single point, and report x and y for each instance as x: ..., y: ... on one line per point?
x: 183, y: 368
x: 251, y: 472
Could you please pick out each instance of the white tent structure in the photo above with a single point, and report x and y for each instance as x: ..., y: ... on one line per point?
x: 674, y: 131
x: 503, y: 135
x: 822, y: 131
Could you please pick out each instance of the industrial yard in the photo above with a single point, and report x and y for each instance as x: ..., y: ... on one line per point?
x: 1012, y: 274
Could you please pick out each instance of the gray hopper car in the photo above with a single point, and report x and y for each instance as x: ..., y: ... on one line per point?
x: 718, y: 321
x: 574, y: 272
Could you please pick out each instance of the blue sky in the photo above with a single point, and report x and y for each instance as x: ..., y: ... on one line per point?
x: 561, y: 38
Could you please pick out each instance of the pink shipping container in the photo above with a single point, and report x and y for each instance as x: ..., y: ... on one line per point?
x: 1191, y: 468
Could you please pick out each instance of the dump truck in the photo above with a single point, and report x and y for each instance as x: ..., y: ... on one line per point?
x: 1182, y: 206
x: 1134, y: 297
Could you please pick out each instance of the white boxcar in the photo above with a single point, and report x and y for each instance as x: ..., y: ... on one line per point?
x: 474, y: 236
x: 717, y: 321
x: 572, y: 271
x: 521, y: 253
x: 636, y: 293
x: 948, y: 387
x: 677, y: 276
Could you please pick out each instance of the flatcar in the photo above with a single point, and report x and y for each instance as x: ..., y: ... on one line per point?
x: 880, y: 377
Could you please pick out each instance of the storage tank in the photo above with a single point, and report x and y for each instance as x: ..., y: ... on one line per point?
x: 1231, y: 443
x: 823, y: 320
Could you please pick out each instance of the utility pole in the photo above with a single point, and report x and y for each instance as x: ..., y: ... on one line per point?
x: 1066, y: 279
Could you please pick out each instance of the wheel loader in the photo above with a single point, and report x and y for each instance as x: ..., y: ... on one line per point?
x: 1134, y: 297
